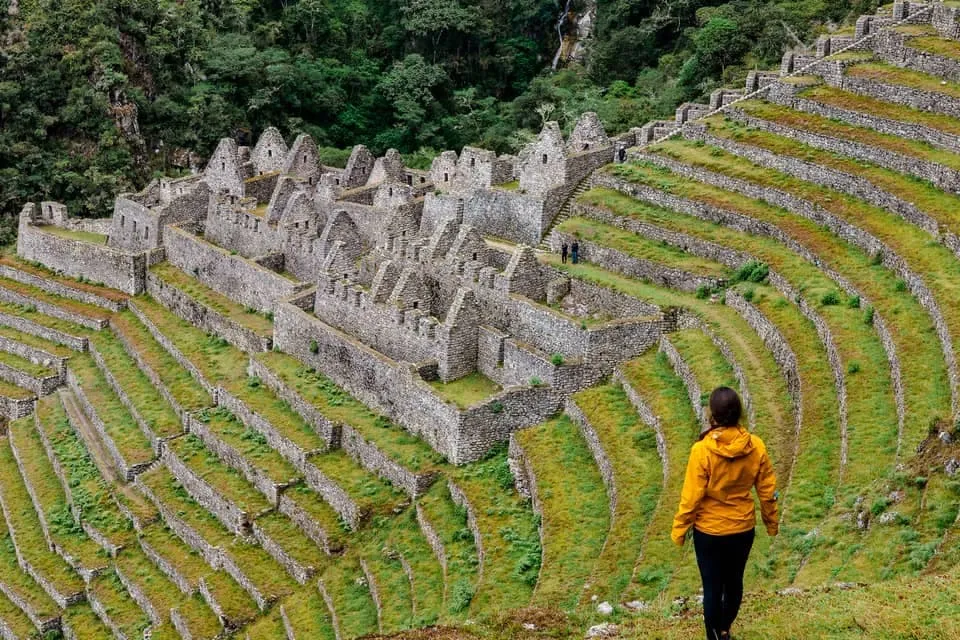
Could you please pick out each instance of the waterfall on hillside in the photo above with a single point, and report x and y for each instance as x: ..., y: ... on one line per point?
x: 561, y: 20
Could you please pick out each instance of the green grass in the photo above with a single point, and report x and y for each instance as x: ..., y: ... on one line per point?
x: 52, y: 348
x: 200, y: 619
x: 68, y: 304
x: 120, y: 607
x: 405, y: 538
x: 449, y: 520
x: 946, y: 47
x: 705, y: 360
x: 85, y: 624
x: 153, y: 408
x: 936, y: 264
x: 178, y: 381
x: 575, y: 508
x: 293, y: 541
x: 168, y: 491
x: 354, y: 606
x: 642, y: 248
x: 15, y: 619
x: 50, y: 497
x: 268, y: 626
x: 130, y: 441
x: 824, y: 126
x: 320, y: 512
x: 24, y: 365
x: 897, y: 76
x: 372, y: 494
x: 891, y: 110
x: 226, y: 481
x: 392, y: 583
x: 466, y: 391
x: 339, y: 406
x: 70, y: 234
x: 206, y: 296
x: 237, y: 605
x: 508, y: 530
x: 187, y: 561
x: 37, y: 269
x: 8, y: 390
x: 14, y: 579
x: 266, y: 574
x: 661, y: 563
x: 25, y: 528
x: 631, y: 447
x: 87, y: 487
x: 30, y: 313
x: 249, y: 443
x: 308, y: 615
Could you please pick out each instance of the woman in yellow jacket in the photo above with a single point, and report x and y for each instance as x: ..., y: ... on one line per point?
x: 725, y: 464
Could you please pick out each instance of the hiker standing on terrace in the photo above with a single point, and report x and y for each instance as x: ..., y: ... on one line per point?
x: 575, y: 252
x: 725, y: 464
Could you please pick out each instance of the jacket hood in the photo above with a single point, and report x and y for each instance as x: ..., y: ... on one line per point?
x: 729, y: 442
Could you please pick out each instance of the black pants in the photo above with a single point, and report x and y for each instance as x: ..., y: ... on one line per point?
x: 722, y: 561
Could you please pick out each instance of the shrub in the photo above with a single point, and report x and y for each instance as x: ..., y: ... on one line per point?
x: 752, y: 271
x: 461, y: 595
x: 314, y: 347
x: 868, y: 316
x: 535, y: 381
x: 854, y: 302
x: 879, y: 505
x: 703, y: 292
x: 900, y: 286
x: 853, y: 368
x: 497, y: 407
x: 830, y: 299
x: 556, y: 359
x: 748, y: 295
x: 876, y: 259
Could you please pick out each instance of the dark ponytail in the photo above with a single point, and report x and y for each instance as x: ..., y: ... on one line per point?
x: 725, y: 408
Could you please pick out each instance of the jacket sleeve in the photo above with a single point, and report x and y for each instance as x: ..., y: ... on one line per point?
x: 766, y: 484
x: 694, y: 488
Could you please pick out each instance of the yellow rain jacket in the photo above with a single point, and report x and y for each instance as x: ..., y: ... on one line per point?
x: 724, y: 466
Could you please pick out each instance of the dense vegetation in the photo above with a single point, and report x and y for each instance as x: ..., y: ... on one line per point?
x: 98, y: 95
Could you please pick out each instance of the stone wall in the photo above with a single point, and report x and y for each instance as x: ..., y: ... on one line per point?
x: 229, y: 514
x: 298, y: 571
x: 325, y: 428
x: 205, y: 317
x: 305, y: 522
x: 237, y: 230
x: 233, y: 276
x: 690, y: 382
x: 55, y: 311
x: 42, y: 386
x: 99, y: 263
x: 648, y: 417
x: 512, y: 215
x: 15, y: 408
x: 599, y: 454
x: 60, y: 289
x: 33, y: 354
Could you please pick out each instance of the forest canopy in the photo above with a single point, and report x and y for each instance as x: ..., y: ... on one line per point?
x: 98, y: 96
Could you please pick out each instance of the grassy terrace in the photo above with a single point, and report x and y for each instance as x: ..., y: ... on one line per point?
x: 15, y: 619
x: 320, y: 512
x: 24, y: 365
x: 864, y: 104
x: 87, y: 486
x: 631, y: 447
x: 705, y: 360
x: 640, y: 247
x: 339, y: 406
x: 122, y: 610
x: 222, y: 364
x: 939, y: 205
x: 38, y: 474
x: 354, y: 606
x: 33, y: 268
x: 368, y: 490
x: 52, y: 348
x: 575, y: 506
x: 132, y: 443
x: 268, y: 627
x: 660, y: 560
x: 450, y: 522
x: 466, y: 391
x: 934, y: 262
x: 187, y: 561
x: 392, y: 583
x: 508, y: 530
x: 178, y: 381
x: 251, y: 444
x: 68, y: 304
x: 227, y: 482
x: 70, y: 234
x: 8, y: 390
x: 925, y: 38
x: 293, y: 541
x: 308, y: 615
x: 927, y: 389
x: 772, y: 403
x: 150, y: 404
x: 203, y: 294
x: 236, y: 603
x: 14, y: 579
x: 200, y: 619
x: 824, y: 126
x: 892, y: 75
x: 406, y: 538
x: 26, y: 531
x: 85, y: 624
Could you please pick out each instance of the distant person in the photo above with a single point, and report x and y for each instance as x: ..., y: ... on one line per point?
x: 622, y: 154
x: 575, y: 252
x: 563, y: 253
x: 725, y: 464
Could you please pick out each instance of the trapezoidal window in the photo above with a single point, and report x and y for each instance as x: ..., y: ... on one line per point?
x: 416, y: 304
x: 304, y: 157
x: 474, y: 256
x: 446, y: 177
x: 269, y: 153
x: 473, y: 162
x: 223, y: 166
x: 586, y: 146
x: 390, y: 192
x: 134, y: 226
x: 123, y: 221
x: 545, y: 159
